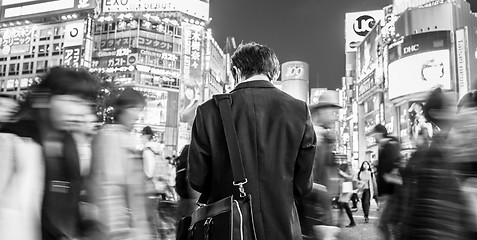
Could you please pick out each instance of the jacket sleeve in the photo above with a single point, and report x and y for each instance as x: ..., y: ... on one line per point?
x: 199, y: 159
x: 303, y: 180
x: 7, y: 163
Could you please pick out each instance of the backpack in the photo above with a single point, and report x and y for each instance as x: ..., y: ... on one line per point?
x: 182, y: 182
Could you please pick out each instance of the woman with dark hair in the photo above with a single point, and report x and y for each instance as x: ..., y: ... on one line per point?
x: 41, y: 176
x: 367, y: 187
x: 118, y: 173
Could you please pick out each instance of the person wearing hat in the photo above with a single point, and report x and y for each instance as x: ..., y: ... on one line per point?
x: 315, y: 208
x: 118, y: 173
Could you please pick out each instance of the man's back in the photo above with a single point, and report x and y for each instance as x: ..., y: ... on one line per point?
x: 277, y: 143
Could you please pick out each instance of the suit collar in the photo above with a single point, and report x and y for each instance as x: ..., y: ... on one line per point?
x: 254, y: 84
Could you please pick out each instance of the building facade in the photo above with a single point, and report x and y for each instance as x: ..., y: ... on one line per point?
x: 33, y: 40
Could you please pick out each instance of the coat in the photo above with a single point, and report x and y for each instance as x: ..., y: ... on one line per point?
x: 389, y: 158
x: 437, y: 207
x: 22, y: 173
x: 118, y: 185
x: 277, y: 144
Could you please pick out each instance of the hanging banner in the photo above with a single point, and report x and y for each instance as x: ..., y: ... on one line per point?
x: 462, y: 50
x: 72, y: 56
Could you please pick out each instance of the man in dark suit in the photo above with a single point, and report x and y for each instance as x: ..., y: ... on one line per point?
x: 276, y: 139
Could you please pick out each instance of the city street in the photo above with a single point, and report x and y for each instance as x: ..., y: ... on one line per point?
x: 362, y: 231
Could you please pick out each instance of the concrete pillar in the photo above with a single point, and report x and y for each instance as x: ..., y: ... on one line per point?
x: 295, y: 79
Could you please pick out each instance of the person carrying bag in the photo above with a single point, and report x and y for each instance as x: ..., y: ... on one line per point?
x: 231, y: 217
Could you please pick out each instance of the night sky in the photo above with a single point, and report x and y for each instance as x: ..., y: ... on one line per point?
x: 304, y: 30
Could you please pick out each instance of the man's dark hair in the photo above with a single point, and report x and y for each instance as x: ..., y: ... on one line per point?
x: 435, y: 101
x: 469, y: 100
x: 68, y: 81
x: 381, y: 129
x: 253, y: 58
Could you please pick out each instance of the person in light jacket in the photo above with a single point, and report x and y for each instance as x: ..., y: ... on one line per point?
x: 118, y: 174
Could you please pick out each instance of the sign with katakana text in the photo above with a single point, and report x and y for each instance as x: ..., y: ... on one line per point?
x: 15, y: 40
x: 72, y: 56
x: 152, y: 43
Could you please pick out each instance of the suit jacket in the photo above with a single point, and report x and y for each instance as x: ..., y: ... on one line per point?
x: 277, y: 142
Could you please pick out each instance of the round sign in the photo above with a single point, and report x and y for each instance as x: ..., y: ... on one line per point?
x: 74, y: 32
x: 131, y: 59
x: 363, y: 25
x: 6, y: 49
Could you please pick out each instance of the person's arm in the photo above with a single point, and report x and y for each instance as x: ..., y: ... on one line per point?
x: 7, y: 166
x: 149, y: 162
x: 303, y: 179
x: 199, y: 159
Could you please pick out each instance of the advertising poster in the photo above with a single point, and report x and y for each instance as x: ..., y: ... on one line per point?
x: 462, y: 51
x: 15, y: 40
x: 190, y: 96
x: 368, y: 53
x: 72, y: 56
x: 421, y: 61
x: 358, y: 25
x: 155, y: 112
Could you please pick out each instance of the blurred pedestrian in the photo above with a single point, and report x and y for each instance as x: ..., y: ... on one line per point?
x: 436, y: 209
x: 346, y: 192
x: 118, y: 173
x: 8, y: 108
x: 389, y: 158
x: 41, y: 178
x: 462, y: 139
x: 187, y: 196
x: 276, y: 139
x: 314, y: 209
x: 367, y: 187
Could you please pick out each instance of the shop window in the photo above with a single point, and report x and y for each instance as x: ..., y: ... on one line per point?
x: 178, y: 31
x: 45, y: 34
x: 58, y: 32
x: 43, y: 50
x: 177, y: 47
x: 27, y: 68
x: 13, y: 69
x: 57, y: 49
x: 3, y: 70
x: 41, y: 66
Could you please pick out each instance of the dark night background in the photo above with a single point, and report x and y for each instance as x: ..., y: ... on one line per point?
x: 304, y: 30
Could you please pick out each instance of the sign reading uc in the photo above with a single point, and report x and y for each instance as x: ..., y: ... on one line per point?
x: 363, y: 25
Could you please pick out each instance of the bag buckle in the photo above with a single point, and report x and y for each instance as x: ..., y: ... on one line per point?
x: 207, y: 224
x: 241, y: 187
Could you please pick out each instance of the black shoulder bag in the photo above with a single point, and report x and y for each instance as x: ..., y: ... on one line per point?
x: 230, y: 218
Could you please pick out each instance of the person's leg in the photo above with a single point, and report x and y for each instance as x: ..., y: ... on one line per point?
x: 365, y: 202
x: 350, y: 215
x: 384, y: 219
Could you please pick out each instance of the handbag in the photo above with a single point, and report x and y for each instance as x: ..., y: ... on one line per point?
x: 230, y: 218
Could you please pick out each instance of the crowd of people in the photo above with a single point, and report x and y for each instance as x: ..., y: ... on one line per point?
x: 61, y: 178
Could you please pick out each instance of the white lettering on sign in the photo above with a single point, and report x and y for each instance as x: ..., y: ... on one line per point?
x: 411, y: 49
x: 123, y: 52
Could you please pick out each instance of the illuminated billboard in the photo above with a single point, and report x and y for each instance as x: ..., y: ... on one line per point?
x: 358, y: 25
x: 18, y: 9
x: 421, y: 61
x: 196, y: 8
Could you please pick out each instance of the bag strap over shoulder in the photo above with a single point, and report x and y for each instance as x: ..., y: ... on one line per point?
x: 224, y: 101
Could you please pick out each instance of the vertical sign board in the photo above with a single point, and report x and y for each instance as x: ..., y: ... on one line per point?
x: 190, y: 91
x: 462, y: 46
x: 72, y: 56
